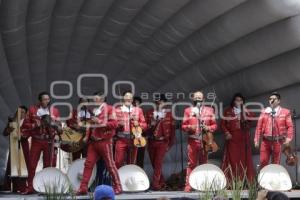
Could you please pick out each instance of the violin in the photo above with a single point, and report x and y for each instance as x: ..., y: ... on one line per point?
x: 291, y: 157
x: 139, y: 140
x: 209, y: 144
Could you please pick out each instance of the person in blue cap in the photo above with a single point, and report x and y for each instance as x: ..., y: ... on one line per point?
x: 104, y: 192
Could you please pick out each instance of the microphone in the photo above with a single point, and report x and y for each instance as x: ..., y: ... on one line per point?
x: 128, y: 106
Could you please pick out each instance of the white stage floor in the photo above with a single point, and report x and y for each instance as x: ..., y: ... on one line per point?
x: 294, y: 194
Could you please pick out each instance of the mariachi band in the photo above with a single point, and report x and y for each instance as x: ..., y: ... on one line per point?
x: 115, y: 133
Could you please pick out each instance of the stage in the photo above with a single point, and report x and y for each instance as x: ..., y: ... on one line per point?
x: 294, y: 194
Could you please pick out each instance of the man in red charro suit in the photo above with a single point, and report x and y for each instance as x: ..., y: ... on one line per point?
x: 235, y: 124
x: 195, y: 116
x: 275, y: 127
x: 99, y: 137
x: 161, y: 134
x: 128, y: 116
x: 39, y: 126
x: 77, y: 122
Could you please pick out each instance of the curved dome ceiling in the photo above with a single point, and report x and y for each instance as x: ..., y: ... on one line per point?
x: 160, y: 45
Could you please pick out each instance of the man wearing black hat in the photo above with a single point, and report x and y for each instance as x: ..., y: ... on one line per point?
x: 274, y: 127
x: 161, y: 132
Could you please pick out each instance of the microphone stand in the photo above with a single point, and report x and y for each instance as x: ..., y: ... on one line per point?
x: 130, y: 138
x: 82, y: 152
x: 294, y: 116
x: 200, y: 126
x: 181, y: 150
x: 273, y: 112
x: 49, y: 129
x: 178, y: 126
x: 245, y: 134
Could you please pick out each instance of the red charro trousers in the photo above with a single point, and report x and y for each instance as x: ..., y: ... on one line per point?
x: 195, y: 152
x: 268, y: 149
x: 125, y: 147
x: 37, y: 147
x: 157, y: 151
x: 96, y: 150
